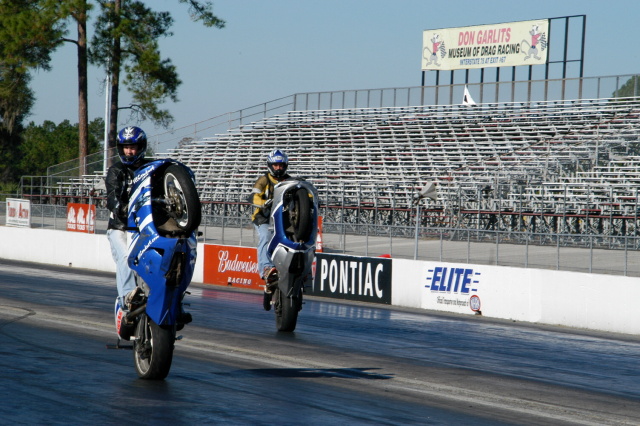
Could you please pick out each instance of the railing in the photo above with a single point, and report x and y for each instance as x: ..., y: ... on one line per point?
x: 515, y: 213
x: 60, y: 189
x: 492, y: 92
x: 94, y: 165
x: 613, y: 255
x: 174, y: 138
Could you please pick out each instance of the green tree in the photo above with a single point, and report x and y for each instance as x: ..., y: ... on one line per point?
x: 31, y: 30
x: 16, y: 100
x: 630, y: 88
x: 28, y: 35
x: 48, y: 144
x: 126, y: 40
x: 127, y: 34
x: 77, y: 12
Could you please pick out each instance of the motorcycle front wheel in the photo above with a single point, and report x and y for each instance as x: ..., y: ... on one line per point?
x: 286, y: 310
x: 153, y: 349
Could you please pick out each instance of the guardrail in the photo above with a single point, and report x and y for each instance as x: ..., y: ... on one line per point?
x: 613, y: 255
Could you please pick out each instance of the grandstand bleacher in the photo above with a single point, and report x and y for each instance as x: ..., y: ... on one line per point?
x: 553, y: 165
x: 556, y: 157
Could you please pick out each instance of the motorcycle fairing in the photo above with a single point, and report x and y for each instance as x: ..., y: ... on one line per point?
x: 283, y: 257
x: 278, y: 213
x: 154, y: 267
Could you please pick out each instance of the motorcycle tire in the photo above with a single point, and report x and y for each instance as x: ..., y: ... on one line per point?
x: 180, y: 192
x: 300, y: 215
x: 153, y: 349
x: 286, y: 310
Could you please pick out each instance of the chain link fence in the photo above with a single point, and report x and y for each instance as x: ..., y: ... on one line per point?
x: 567, y: 252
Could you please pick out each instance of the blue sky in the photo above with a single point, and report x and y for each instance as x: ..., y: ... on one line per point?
x: 275, y: 48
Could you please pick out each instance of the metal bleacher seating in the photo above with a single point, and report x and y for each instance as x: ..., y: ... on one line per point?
x: 551, y: 156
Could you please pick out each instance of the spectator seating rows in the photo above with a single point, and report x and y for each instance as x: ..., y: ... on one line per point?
x: 580, y: 154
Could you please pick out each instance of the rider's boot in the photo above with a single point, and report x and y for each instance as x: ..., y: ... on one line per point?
x: 134, y: 299
x: 183, y: 318
x: 270, y: 277
x: 266, y: 301
x: 124, y: 328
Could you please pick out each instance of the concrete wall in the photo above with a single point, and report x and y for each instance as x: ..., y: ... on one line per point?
x: 74, y: 249
x: 590, y: 301
x: 574, y: 299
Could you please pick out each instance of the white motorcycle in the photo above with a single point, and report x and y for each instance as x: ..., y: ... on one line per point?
x: 294, y: 219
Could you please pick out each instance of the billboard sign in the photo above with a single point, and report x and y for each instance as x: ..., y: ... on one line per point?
x: 452, y: 288
x: 18, y: 212
x: 365, y: 279
x: 496, y: 45
x: 232, y: 266
x: 81, y: 218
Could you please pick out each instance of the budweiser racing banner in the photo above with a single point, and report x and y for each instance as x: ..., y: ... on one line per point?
x: 81, y: 218
x: 497, y: 45
x: 231, y: 266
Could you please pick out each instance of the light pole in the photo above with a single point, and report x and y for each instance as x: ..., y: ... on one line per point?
x: 427, y: 191
x: 107, y: 89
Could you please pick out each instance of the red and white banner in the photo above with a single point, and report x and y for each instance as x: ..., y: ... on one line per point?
x: 81, y: 218
x: 18, y: 212
x: 319, y: 242
x: 231, y: 266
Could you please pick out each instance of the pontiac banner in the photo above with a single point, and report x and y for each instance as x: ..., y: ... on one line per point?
x: 366, y: 279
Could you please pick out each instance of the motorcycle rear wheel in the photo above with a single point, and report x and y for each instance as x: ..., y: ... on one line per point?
x: 180, y: 192
x: 153, y: 349
x: 286, y: 310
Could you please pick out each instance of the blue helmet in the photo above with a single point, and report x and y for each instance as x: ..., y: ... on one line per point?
x: 131, y: 136
x: 277, y: 157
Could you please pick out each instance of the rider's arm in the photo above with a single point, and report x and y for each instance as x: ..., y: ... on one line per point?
x: 115, y: 183
x: 260, y: 196
x: 259, y: 192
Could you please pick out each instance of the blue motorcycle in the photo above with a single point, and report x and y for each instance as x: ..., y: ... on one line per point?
x: 164, y: 214
x: 294, y: 218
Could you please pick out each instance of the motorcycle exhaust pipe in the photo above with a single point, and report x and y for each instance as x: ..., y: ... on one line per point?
x: 131, y: 315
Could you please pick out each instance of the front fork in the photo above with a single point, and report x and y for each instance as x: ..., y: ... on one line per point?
x: 143, y: 343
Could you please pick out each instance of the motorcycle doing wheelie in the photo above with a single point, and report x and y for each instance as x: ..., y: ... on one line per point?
x: 164, y: 213
x: 294, y: 219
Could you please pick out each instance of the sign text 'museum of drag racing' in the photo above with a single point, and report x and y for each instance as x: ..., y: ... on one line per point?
x: 495, y: 45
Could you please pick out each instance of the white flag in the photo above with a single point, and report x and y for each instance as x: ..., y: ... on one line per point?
x: 467, y: 99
